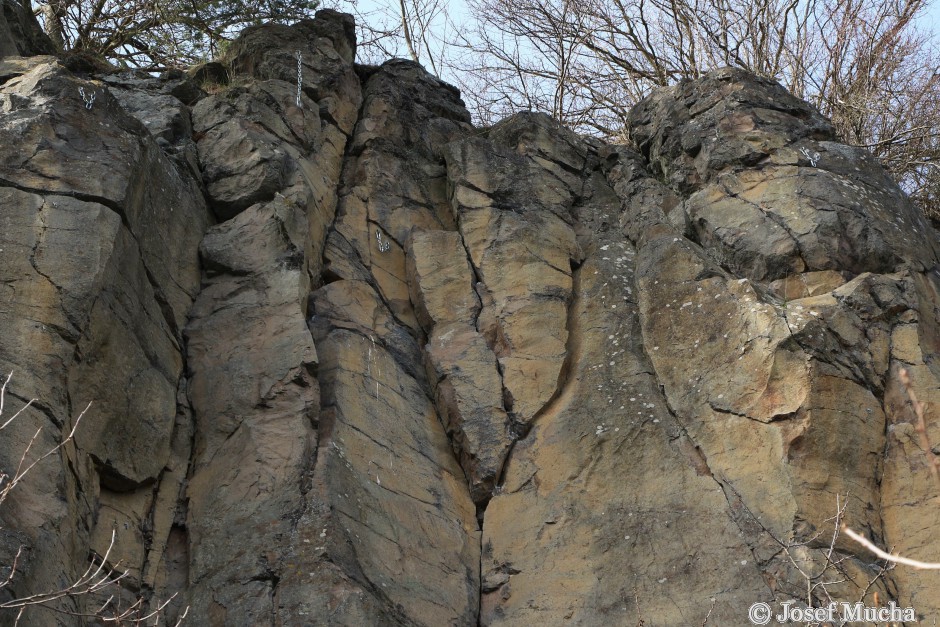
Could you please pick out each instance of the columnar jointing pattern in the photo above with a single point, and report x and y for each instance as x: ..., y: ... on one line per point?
x: 354, y: 361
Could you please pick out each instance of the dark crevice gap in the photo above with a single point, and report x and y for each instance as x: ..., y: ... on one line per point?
x: 479, y: 288
x: 320, y: 424
x: 184, y: 406
x: 330, y: 276
x: 324, y: 424
x: 149, y: 527
x: 567, y: 376
x: 773, y: 419
x: 881, y: 540
x: 326, y: 413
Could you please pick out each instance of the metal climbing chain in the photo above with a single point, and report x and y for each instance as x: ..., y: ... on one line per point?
x: 88, y: 99
x: 383, y: 246
x: 300, y: 77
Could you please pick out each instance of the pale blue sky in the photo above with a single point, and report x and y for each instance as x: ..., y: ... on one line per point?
x: 930, y: 20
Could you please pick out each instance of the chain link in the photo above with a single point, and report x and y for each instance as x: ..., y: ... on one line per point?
x: 300, y: 78
x: 813, y: 157
x: 89, y: 100
x: 383, y: 246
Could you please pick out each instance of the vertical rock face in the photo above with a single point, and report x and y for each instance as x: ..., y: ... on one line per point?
x: 353, y: 361
x: 391, y: 503
x: 99, y: 232
x: 270, y: 164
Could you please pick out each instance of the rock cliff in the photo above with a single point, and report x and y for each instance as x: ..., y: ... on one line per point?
x: 353, y: 361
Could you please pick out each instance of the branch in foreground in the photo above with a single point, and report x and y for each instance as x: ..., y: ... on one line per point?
x: 897, y: 559
x: 98, y: 577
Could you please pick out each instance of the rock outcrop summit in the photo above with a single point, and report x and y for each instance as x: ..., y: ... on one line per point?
x: 353, y: 361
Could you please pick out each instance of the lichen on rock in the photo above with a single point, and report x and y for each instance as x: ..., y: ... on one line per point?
x: 354, y: 361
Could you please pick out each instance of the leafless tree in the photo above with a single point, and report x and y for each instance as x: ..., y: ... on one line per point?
x: 157, y: 34
x: 587, y: 62
x: 421, y: 30
x: 878, y: 78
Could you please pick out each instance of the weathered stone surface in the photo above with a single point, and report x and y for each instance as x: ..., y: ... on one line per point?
x: 255, y: 400
x: 127, y: 342
x: 909, y: 496
x: 124, y: 307
x: 441, y: 280
x: 467, y: 380
x: 812, y: 414
x: 164, y: 116
x: 377, y: 506
x: 608, y: 514
x: 254, y: 386
x: 425, y: 374
x: 275, y: 140
x: 99, y: 244
x: 235, y: 124
x: 101, y: 154
x: 395, y: 179
x: 391, y: 506
x: 327, y: 46
x: 708, y: 333
x: 771, y: 193
x: 400, y: 511
x: 159, y: 104
x: 468, y: 395
x: 20, y: 33
x: 807, y: 284
x: 728, y: 118
x: 8, y: 45
x: 514, y: 215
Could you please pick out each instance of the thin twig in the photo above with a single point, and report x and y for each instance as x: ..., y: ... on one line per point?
x: 98, y: 576
x: 897, y: 559
x: 3, y: 390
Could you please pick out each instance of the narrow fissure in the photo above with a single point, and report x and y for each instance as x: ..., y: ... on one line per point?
x: 324, y: 426
x: 327, y: 413
x: 880, y: 476
x: 564, y: 388
x: 159, y: 296
x: 478, y: 287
